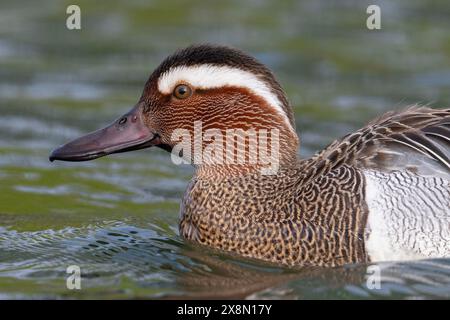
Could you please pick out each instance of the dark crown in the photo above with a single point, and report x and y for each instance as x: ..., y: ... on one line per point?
x: 224, y: 56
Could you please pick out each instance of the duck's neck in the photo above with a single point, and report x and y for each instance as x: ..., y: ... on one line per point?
x: 265, y: 159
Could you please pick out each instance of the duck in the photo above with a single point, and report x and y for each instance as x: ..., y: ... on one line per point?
x: 381, y: 193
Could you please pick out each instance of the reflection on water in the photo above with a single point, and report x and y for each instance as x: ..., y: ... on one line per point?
x: 123, y: 260
x: 117, y: 217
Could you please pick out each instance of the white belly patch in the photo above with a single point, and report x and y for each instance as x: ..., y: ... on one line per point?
x: 409, y: 216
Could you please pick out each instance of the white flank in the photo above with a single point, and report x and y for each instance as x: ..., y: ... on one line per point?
x: 408, y: 216
x: 379, y: 243
x: 207, y: 76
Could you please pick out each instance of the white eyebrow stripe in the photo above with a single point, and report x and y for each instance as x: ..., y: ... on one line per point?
x: 207, y: 76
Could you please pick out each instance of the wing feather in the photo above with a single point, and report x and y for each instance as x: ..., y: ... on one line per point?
x: 415, y: 139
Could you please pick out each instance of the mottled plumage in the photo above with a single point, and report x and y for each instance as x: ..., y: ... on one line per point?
x: 315, y: 210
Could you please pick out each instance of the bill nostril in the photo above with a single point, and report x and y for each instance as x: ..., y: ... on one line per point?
x: 123, y: 120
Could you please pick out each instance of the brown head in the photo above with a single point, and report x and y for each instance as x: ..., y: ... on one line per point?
x: 201, y: 89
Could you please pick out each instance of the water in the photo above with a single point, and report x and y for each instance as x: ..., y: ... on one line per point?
x: 117, y: 217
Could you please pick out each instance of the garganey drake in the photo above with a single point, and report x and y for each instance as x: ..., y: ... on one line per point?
x: 381, y: 193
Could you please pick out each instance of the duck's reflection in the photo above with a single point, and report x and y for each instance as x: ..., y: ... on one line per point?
x: 119, y: 260
x: 217, y: 277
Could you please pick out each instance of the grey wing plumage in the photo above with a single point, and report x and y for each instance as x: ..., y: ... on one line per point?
x: 416, y: 139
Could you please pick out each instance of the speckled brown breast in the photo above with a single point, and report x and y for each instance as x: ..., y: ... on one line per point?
x: 292, y: 218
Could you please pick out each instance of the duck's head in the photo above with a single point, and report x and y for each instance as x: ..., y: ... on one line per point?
x: 218, y: 87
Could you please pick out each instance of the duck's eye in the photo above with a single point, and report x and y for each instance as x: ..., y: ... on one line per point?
x: 182, y: 91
